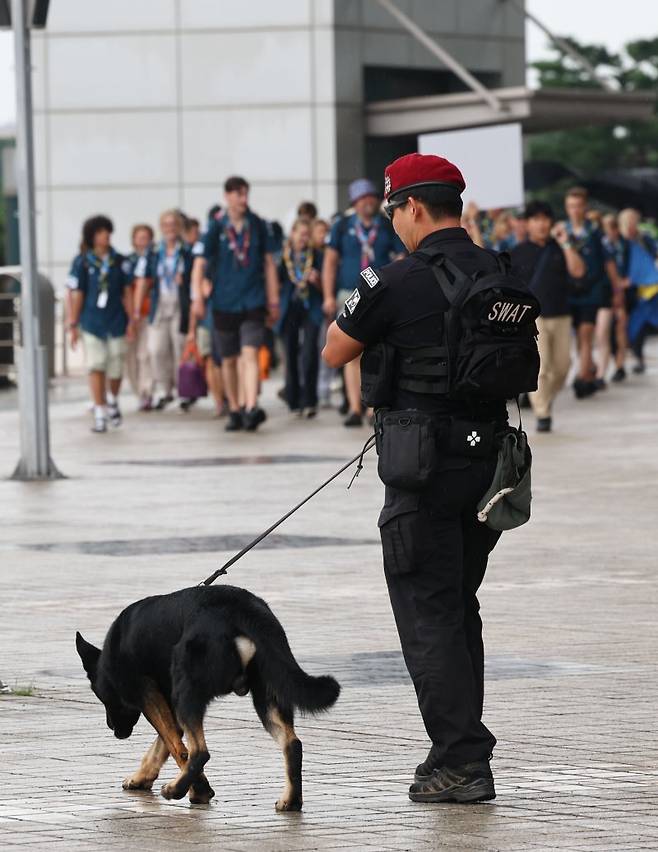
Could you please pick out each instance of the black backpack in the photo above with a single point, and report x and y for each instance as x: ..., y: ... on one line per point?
x: 490, y: 331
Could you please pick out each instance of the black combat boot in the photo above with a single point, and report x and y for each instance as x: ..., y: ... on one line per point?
x: 471, y: 782
x: 425, y: 769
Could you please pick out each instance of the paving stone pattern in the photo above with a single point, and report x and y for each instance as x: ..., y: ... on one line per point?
x: 569, y: 607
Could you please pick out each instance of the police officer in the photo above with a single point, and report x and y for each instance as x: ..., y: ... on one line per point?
x: 435, y: 549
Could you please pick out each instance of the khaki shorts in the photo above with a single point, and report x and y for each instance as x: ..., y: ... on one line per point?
x: 105, y: 356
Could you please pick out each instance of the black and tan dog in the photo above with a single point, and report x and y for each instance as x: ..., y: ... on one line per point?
x: 168, y: 656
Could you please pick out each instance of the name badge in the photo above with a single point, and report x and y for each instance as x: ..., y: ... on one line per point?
x: 101, y: 301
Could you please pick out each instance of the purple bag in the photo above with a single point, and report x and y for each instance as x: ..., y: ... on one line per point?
x: 191, y: 380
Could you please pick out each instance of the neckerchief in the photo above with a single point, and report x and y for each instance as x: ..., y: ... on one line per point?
x: 367, y: 242
x: 299, y: 267
x: 103, y: 266
x: 168, y: 273
x: 239, y: 243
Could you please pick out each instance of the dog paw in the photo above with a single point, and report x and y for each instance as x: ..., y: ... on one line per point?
x: 284, y: 805
x: 201, y: 792
x: 172, y: 791
x: 200, y: 797
x: 137, y: 783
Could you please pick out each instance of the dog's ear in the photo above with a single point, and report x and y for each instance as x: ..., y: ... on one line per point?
x: 89, y: 654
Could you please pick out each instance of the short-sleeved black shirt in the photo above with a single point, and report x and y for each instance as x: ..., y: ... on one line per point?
x: 403, y: 304
x: 551, y: 286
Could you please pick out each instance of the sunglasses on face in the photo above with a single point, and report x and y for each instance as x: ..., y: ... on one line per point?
x: 390, y: 207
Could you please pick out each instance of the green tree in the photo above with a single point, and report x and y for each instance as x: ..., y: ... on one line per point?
x: 590, y: 150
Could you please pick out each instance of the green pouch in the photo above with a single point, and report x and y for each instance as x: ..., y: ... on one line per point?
x: 506, y: 505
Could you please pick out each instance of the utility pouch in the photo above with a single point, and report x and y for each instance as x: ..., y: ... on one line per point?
x: 378, y: 375
x: 407, y: 447
x: 506, y: 504
x: 470, y: 438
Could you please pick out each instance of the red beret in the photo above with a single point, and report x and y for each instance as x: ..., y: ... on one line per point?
x: 416, y: 170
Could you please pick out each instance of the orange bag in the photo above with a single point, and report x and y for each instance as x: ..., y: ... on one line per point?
x: 264, y: 362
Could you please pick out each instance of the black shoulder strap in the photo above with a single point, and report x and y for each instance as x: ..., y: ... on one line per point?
x: 455, y: 291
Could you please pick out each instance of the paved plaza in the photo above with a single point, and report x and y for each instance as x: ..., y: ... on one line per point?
x: 569, y: 607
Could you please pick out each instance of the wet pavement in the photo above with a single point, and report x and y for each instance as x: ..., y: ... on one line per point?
x: 568, y: 604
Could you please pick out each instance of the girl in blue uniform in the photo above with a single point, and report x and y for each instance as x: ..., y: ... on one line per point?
x: 166, y: 272
x: 101, y: 306
x: 301, y: 318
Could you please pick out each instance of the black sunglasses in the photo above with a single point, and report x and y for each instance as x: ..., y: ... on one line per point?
x: 390, y: 206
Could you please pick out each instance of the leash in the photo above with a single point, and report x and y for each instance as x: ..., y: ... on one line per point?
x: 369, y: 444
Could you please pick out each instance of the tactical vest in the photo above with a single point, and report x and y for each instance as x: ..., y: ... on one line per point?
x: 486, y: 348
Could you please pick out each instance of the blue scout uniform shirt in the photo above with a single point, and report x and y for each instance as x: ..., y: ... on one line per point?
x: 153, y: 264
x: 344, y: 238
x: 589, y: 244
x: 236, y: 262
x: 102, y: 284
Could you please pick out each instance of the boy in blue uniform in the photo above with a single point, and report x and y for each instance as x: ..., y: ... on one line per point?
x: 356, y: 242
x: 237, y: 259
x: 586, y: 239
x: 101, y: 304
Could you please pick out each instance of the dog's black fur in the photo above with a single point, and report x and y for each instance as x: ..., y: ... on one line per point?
x: 168, y: 656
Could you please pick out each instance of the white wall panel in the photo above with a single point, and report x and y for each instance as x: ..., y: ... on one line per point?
x: 265, y: 144
x: 38, y: 51
x: 322, y: 12
x: 279, y: 201
x: 214, y: 70
x: 325, y: 142
x: 322, y: 48
x: 97, y: 16
x: 125, y: 207
x: 40, y: 148
x: 226, y: 14
x: 115, y: 71
x: 107, y: 148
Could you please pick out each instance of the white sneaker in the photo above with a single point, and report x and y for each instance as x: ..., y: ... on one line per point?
x: 114, y: 414
x: 100, y: 424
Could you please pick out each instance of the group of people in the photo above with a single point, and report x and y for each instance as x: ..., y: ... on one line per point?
x: 238, y: 294
x: 223, y: 295
x: 596, y: 277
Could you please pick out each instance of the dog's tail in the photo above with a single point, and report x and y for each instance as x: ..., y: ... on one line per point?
x: 284, y: 678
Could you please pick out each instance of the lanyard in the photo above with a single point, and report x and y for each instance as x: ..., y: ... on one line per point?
x: 167, y: 271
x: 367, y: 242
x: 239, y: 247
x: 103, y: 266
x: 299, y: 268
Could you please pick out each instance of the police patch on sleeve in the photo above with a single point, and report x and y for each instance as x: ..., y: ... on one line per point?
x: 198, y: 248
x: 370, y: 277
x: 353, y: 301
x: 126, y: 267
x: 72, y: 282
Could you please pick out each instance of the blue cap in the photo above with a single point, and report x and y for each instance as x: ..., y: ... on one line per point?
x: 359, y: 188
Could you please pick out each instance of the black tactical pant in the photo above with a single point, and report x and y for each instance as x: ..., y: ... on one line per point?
x: 435, y: 556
